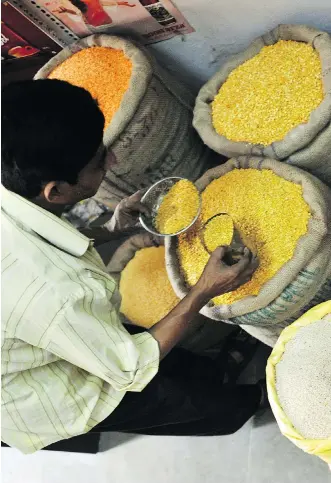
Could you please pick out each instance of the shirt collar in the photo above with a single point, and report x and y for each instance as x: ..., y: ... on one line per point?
x: 50, y: 227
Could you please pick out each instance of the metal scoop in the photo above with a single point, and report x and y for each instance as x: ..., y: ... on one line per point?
x: 236, y: 246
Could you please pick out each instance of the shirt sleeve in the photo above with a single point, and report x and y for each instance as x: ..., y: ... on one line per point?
x: 89, y: 334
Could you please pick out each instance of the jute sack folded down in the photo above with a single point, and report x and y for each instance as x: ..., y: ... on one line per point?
x: 308, y: 145
x: 151, y: 135
x: 269, y: 335
x: 299, y: 280
x: 203, y: 333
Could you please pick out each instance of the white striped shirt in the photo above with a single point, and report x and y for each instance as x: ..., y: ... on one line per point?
x: 67, y: 360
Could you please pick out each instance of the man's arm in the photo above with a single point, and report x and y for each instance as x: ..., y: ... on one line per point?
x: 217, y: 278
x: 101, y: 235
x: 123, y: 223
x: 86, y: 329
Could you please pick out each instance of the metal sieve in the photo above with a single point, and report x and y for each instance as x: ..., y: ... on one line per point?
x: 153, y: 198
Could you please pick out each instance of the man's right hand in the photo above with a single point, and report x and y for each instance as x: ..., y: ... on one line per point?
x: 219, y: 278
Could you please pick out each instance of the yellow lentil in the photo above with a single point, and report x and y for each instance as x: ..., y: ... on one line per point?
x: 178, y: 208
x: 147, y: 295
x: 218, y: 232
x: 270, y: 94
x: 270, y: 214
x: 103, y: 71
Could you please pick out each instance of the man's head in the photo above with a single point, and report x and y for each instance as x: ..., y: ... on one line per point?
x: 51, y: 141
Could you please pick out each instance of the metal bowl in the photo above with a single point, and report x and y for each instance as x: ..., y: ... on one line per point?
x: 153, y: 199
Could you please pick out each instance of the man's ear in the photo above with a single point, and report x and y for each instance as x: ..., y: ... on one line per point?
x: 55, y: 192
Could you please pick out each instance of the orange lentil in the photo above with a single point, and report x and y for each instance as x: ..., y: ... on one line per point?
x: 103, y: 71
x: 270, y: 214
x: 268, y: 95
x: 147, y: 295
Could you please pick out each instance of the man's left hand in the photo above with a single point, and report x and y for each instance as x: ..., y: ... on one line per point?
x: 127, y: 213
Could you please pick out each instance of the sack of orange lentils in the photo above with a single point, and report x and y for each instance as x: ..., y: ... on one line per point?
x: 281, y: 213
x: 138, y: 266
x: 273, y: 100
x: 148, y: 114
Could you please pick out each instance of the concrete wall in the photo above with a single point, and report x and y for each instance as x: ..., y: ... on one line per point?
x: 224, y: 27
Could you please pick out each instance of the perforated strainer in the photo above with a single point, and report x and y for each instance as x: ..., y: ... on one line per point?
x: 153, y: 198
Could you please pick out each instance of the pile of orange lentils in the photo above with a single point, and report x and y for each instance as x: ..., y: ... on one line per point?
x: 103, y: 71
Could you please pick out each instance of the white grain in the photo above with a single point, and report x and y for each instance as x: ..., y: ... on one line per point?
x: 303, y: 379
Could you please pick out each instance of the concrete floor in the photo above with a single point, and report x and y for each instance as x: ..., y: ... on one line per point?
x: 258, y: 453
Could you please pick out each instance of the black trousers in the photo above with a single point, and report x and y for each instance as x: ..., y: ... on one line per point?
x: 185, y: 398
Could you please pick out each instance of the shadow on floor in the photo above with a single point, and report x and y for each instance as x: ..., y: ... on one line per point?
x: 113, y: 440
x: 263, y: 418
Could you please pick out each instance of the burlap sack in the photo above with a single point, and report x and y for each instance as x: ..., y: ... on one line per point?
x: 151, y: 134
x: 299, y: 280
x: 204, y: 334
x: 269, y: 335
x: 307, y: 145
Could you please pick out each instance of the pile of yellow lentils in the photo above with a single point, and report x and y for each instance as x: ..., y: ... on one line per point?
x: 270, y: 214
x: 178, y: 209
x: 103, y: 71
x: 147, y: 295
x: 270, y: 94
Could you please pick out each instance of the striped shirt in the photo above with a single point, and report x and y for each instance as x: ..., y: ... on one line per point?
x: 67, y: 361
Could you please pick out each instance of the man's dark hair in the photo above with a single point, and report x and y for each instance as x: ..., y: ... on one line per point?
x: 50, y: 132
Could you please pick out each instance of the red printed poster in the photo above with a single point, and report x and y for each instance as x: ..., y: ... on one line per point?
x: 20, y: 38
x: 152, y: 20
x: 14, y: 46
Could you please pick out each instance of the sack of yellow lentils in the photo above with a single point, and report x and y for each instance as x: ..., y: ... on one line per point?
x: 273, y: 100
x: 299, y: 382
x: 283, y: 214
x: 138, y: 266
x: 148, y: 114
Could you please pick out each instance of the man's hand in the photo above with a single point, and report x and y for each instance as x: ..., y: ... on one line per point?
x: 127, y: 213
x: 219, y: 278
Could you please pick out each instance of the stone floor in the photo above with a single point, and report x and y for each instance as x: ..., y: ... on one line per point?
x: 257, y: 453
